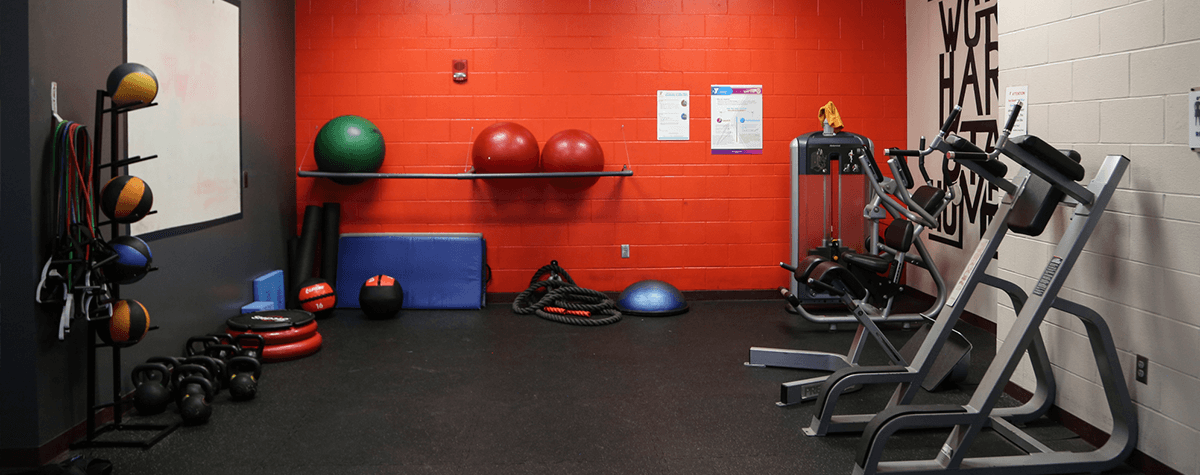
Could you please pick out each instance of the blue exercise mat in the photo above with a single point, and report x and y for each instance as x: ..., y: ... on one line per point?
x: 437, y: 271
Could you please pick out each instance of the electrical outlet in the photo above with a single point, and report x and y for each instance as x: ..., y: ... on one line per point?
x: 1142, y: 370
x: 624, y: 251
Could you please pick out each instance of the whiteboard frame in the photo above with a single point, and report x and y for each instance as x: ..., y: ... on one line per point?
x: 190, y: 225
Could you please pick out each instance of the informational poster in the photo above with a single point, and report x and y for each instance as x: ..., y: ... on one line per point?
x: 1013, y: 95
x: 1194, y: 119
x: 674, y: 115
x: 737, y: 125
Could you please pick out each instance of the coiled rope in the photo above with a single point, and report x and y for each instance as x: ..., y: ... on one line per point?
x: 564, y: 301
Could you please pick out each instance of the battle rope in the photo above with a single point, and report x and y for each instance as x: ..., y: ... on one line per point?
x: 564, y: 301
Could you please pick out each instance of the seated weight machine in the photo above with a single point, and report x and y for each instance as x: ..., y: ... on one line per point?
x: 858, y: 279
x: 1050, y: 178
x: 1022, y: 210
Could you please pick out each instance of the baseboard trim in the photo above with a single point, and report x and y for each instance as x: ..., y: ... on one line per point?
x: 32, y: 457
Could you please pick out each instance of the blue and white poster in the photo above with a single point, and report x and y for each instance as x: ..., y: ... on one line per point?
x: 737, y: 121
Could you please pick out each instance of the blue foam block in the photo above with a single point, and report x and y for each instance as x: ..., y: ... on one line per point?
x: 269, y: 288
x: 258, y: 306
x: 437, y: 271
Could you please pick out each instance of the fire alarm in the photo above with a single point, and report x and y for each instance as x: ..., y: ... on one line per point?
x: 459, y: 68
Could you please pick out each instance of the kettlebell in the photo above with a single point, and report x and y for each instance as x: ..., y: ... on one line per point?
x: 244, y: 372
x: 251, y: 344
x: 194, y: 404
x: 152, y: 394
x: 205, y: 341
x: 215, y: 367
x: 193, y: 392
x: 222, y: 352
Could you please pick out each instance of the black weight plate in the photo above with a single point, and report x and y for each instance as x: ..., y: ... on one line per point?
x: 269, y: 320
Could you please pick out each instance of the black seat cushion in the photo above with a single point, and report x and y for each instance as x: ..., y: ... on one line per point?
x: 868, y: 262
x: 1067, y: 165
x: 929, y: 198
x: 833, y: 274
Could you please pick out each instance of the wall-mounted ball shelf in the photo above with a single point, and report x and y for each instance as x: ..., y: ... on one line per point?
x: 625, y: 171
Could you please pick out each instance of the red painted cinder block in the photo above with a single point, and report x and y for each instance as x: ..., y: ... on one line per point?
x: 680, y: 25
x: 727, y: 25
x: 773, y: 26
x: 751, y: 7
x: 472, y: 6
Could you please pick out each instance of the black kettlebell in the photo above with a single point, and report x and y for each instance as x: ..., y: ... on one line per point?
x: 251, y: 344
x: 222, y: 352
x: 216, y: 369
x: 152, y: 394
x: 205, y: 341
x: 194, y: 404
x: 244, y: 372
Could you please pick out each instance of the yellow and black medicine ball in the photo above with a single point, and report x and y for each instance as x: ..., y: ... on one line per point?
x: 130, y: 83
x: 126, y: 199
x: 128, y: 324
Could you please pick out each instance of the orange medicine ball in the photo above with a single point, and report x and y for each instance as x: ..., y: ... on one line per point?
x: 128, y: 324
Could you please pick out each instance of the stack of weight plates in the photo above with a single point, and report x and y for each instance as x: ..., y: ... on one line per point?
x: 289, y: 334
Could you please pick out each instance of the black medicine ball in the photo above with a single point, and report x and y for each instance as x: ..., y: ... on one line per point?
x: 381, y: 297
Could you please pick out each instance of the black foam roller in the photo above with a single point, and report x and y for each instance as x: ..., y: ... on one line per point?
x: 329, y: 241
x: 307, y: 249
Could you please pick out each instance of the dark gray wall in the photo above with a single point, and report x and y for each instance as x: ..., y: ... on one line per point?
x: 205, y: 275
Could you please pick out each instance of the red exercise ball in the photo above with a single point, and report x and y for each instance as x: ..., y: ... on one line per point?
x: 573, y: 150
x: 505, y: 147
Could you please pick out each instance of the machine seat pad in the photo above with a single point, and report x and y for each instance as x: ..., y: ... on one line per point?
x: 836, y: 376
x: 832, y: 273
x: 959, y: 144
x: 929, y: 198
x: 871, y: 263
x: 886, y: 415
x: 1067, y: 165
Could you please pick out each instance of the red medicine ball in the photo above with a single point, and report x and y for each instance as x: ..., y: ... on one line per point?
x: 316, y: 295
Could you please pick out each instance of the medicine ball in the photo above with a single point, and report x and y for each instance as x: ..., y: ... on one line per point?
x: 316, y: 295
x: 132, y: 262
x: 349, y: 144
x: 128, y: 324
x: 130, y: 83
x: 126, y: 199
x: 505, y: 147
x: 381, y: 297
x: 573, y: 150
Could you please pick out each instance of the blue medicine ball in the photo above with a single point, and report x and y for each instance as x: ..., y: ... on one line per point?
x: 132, y: 262
x: 651, y: 298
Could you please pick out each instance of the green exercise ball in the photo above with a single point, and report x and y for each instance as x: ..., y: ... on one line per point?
x: 349, y: 144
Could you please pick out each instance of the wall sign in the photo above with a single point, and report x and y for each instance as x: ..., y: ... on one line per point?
x: 737, y: 125
x: 674, y: 115
x: 1194, y: 119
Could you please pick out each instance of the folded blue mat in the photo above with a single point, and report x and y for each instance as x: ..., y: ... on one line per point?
x: 436, y: 270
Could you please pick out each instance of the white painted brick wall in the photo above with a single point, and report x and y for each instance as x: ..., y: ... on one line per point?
x: 1072, y: 39
x: 1137, y: 120
x: 1073, y: 122
x: 1130, y: 27
x: 1083, y: 7
x: 1111, y: 77
x: 1181, y: 20
x: 1105, y: 77
x: 1172, y: 69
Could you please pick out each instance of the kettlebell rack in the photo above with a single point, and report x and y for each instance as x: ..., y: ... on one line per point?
x: 96, y: 323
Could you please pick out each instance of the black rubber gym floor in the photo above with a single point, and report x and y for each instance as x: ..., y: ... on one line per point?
x: 493, y: 392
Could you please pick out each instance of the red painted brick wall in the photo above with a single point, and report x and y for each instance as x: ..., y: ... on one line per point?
x: 697, y: 220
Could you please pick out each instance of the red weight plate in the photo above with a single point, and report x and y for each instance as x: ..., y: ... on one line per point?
x: 283, y: 337
x: 291, y: 351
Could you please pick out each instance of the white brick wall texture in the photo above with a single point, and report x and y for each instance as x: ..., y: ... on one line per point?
x: 1111, y: 77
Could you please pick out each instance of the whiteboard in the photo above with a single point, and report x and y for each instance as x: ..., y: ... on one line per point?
x: 192, y: 47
